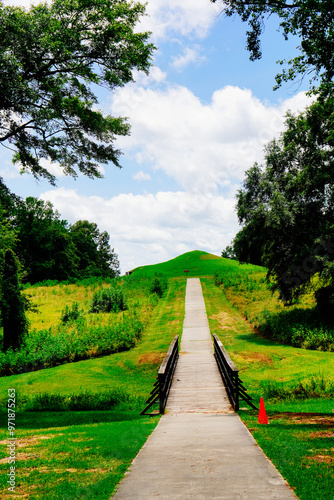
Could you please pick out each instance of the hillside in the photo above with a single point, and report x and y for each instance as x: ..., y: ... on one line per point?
x: 197, y: 262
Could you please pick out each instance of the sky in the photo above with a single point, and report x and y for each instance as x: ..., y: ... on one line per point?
x: 199, y: 120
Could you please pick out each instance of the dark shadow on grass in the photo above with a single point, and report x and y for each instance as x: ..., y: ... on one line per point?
x: 258, y: 340
x: 48, y: 419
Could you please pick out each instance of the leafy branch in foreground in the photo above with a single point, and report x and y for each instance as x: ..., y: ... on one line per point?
x: 312, y: 21
x: 51, y: 57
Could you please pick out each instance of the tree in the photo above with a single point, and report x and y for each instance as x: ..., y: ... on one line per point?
x: 44, y: 245
x: 311, y: 20
x: 12, y: 305
x: 228, y: 252
x: 288, y: 204
x: 52, y: 57
x: 96, y: 258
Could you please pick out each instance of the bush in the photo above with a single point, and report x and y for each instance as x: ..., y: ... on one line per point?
x: 158, y: 284
x: 82, y: 401
x: 299, y: 328
x: 69, y: 315
x: 108, y: 300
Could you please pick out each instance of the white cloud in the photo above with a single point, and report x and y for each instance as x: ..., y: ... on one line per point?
x: 186, y: 18
x: 141, y: 176
x: 200, y: 145
x: 146, y: 229
x: 189, y: 56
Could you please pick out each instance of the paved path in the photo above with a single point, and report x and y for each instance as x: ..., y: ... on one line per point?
x: 200, y: 450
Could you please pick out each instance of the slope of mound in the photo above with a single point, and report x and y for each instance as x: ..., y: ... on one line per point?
x: 197, y: 263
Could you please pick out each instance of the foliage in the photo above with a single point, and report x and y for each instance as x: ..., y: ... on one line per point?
x: 44, y: 245
x: 108, y: 300
x: 312, y: 21
x: 71, y: 342
x: 70, y: 314
x: 83, y: 401
x: 287, y: 205
x: 95, y: 257
x: 48, y: 247
x: 12, y: 305
x: 228, y: 252
x: 298, y: 326
x: 51, y: 58
x: 314, y: 387
x: 159, y: 284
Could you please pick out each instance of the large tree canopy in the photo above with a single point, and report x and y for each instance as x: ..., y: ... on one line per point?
x: 52, y: 58
x: 287, y: 205
x: 311, y: 20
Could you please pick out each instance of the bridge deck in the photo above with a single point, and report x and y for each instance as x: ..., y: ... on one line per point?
x: 197, y: 385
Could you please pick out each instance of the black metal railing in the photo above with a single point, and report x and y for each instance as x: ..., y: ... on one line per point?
x: 230, y: 375
x: 161, y: 388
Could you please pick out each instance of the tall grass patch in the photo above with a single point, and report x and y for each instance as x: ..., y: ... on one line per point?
x: 301, y: 325
x: 87, y: 320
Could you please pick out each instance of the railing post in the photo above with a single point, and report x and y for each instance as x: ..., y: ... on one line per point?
x: 161, y: 379
x: 236, y: 391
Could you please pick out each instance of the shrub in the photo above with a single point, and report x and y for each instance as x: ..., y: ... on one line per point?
x: 108, y: 300
x: 158, y: 284
x: 71, y: 314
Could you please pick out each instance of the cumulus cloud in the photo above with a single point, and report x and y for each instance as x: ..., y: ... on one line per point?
x: 189, y: 56
x: 141, y: 176
x: 146, y: 229
x: 200, y: 145
x: 172, y: 17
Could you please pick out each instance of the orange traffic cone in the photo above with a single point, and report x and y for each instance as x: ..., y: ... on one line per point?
x: 262, y: 413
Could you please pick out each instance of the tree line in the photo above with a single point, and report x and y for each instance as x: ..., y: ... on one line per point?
x: 49, y: 247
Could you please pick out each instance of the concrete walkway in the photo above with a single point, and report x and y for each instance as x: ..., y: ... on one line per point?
x: 200, y: 450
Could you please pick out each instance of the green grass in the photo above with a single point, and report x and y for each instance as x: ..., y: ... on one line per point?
x: 81, y: 456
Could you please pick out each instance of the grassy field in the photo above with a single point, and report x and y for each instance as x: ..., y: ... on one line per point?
x: 54, y: 449
x: 297, y: 384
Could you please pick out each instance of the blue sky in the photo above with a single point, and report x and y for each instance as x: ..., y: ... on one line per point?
x: 199, y: 121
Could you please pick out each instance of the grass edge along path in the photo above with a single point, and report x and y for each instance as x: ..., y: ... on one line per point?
x: 47, y: 466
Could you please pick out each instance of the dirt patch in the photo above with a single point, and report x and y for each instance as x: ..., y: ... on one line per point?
x: 100, y: 471
x: 322, y: 434
x: 306, y: 418
x: 323, y: 459
x: 256, y: 357
x: 32, y: 441
x: 226, y: 321
x: 20, y: 456
x: 151, y: 358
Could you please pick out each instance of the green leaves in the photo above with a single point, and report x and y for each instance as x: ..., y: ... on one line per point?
x: 287, y: 205
x: 311, y: 20
x: 50, y: 56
